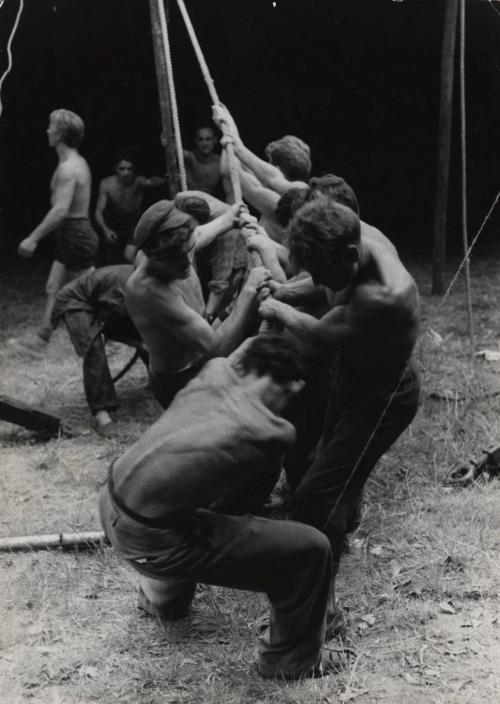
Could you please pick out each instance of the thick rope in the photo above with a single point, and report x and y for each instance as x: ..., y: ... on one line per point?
x: 229, y: 147
x: 173, y: 97
x: 9, y: 49
x: 464, y: 178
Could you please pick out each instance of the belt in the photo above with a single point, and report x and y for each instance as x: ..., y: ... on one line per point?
x: 166, y: 522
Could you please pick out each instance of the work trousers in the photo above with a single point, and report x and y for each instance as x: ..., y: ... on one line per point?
x: 165, y: 386
x: 364, y: 418
x: 86, y: 335
x: 288, y: 561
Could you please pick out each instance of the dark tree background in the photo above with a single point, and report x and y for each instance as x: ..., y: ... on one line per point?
x: 356, y: 79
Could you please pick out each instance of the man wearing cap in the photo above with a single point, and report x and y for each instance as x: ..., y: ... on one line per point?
x: 165, y: 300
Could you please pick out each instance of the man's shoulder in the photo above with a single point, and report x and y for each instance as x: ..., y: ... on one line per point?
x: 148, y: 293
x: 70, y: 168
x: 375, y: 303
x: 108, y: 183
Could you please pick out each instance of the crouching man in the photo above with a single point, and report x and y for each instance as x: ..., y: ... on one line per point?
x: 93, y: 307
x: 223, y: 436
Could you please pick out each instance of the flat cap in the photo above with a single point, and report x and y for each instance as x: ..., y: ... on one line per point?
x: 159, y: 217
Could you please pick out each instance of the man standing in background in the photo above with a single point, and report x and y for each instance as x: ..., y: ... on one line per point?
x: 76, y: 242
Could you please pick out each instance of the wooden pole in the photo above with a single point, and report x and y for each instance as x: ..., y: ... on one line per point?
x: 463, y: 140
x: 445, y: 115
x: 88, y: 539
x: 167, y: 126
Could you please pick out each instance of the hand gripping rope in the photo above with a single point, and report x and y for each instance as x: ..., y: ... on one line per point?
x: 228, y: 145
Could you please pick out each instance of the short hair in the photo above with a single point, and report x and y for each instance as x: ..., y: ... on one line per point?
x: 320, y: 229
x: 196, y: 207
x: 335, y: 187
x: 70, y: 126
x: 274, y: 354
x: 124, y: 157
x: 293, y: 199
x: 292, y: 156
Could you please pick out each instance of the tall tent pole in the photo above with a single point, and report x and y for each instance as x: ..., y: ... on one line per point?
x: 167, y: 125
x: 463, y: 141
x: 445, y: 115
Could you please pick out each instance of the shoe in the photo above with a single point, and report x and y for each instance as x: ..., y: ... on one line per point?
x: 31, y: 344
x: 163, y: 613
x: 103, y: 424
x: 333, y: 660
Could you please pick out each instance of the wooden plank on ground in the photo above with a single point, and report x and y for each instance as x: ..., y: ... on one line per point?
x: 19, y: 413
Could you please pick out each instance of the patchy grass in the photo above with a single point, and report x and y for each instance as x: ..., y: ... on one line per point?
x: 420, y: 585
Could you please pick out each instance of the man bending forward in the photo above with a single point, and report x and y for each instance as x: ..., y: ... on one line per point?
x: 223, y: 435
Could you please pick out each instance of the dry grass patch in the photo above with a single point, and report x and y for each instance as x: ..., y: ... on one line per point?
x: 420, y: 585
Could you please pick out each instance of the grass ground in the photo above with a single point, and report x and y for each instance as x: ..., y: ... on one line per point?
x: 420, y: 585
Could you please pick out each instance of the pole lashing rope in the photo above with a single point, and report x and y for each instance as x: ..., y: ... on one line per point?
x: 173, y: 97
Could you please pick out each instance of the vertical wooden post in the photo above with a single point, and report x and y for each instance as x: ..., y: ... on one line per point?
x: 164, y: 98
x: 445, y: 115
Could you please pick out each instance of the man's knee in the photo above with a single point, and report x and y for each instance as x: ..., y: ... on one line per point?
x: 313, y: 547
x: 333, y: 521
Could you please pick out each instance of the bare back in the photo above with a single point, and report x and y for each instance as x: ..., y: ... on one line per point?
x: 76, y: 169
x: 168, y: 316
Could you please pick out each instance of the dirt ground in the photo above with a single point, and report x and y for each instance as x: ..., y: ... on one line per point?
x: 420, y: 585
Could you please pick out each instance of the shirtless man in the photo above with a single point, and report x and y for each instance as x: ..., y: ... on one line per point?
x: 119, y: 207
x: 369, y: 331
x: 165, y: 300
x: 203, y: 164
x: 76, y: 241
x: 223, y: 434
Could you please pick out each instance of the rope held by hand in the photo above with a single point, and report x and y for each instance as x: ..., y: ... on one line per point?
x: 229, y: 147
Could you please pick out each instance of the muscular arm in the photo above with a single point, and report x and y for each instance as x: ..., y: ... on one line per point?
x: 322, y: 336
x: 261, y: 198
x: 206, y: 234
x: 62, y: 198
x: 258, y: 240
x: 233, y: 330
x: 300, y: 292
x: 269, y: 176
x: 373, y: 313
x: 217, y: 207
x: 191, y: 329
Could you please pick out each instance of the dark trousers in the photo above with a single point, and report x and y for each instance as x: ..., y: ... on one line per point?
x: 86, y: 335
x: 361, y: 423
x: 165, y: 386
x: 306, y: 412
x: 288, y: 561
